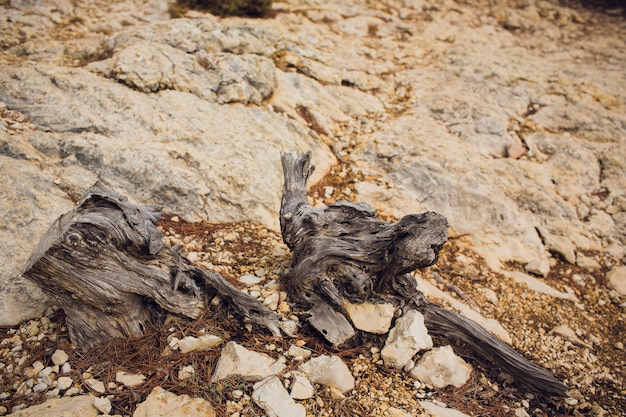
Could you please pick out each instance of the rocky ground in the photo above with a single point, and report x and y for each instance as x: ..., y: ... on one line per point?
x: 505, y: 116
x: 581, y: 342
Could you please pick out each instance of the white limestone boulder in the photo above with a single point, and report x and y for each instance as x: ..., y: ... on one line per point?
x: 330, y: 371
x: 408, y: 336
x: 238, y: 362
x: 441, y: 367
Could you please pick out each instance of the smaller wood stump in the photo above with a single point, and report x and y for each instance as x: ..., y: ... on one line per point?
x: 104, y: 263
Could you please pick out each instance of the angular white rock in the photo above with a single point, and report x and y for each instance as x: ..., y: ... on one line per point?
x: 186, y: 372
x: 59, y: 357
x: 129, y: 380
x: 103, y: 404
x: 442, y: 367
x: 95, y: 385
x: 301, y: 388
x: 568, y: 333
x: 64, y: 383
x: 408, y: 337
x: 250, y: 279
x: 200, y: 343
x: 330, y: 371
x: 298, y: 352
x: 271, y: 395
x: 237, y: 361
x: 272, y: 300
x: 162, y: 403
x: 371, y: 317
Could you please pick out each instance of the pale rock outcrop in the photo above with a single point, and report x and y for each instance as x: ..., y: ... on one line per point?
x: 163, y: 403
x: 78, y: 406
x: 196, y: 158
x: 30, y: 203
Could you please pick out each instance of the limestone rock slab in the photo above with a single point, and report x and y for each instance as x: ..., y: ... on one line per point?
x: 163, y: 403
x: 78, y: 406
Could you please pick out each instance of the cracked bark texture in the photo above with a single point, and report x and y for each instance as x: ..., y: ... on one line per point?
x: 104, y: 263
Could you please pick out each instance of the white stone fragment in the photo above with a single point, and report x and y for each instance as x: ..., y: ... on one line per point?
x: 162, y: 403
x: 102, y: 404
x: 237, y: 361
x: 271, y: 301
x: 59, y: 357
x: 129, y: 380
x: 200, y: 343
x: 250, y: 279
x: 330, y: 371
x: 567, y: 333
x: 298, y: 353
x: 66, y: 368
x: 31, y: 371
x: 435, y: 410
x: 442, y: 367
x: 271, y: 395
x: 371, y: 317
x: 186, y: 372
x: 408, y: 337
x: 64, y: 383
x: 40, y: 387
x: 301, y: 388
x: 95, y: 385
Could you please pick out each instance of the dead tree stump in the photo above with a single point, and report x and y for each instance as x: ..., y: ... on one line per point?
x: 104, y: 263
x: 342, y: 251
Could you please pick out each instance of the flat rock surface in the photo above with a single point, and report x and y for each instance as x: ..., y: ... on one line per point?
x: 506, y: 116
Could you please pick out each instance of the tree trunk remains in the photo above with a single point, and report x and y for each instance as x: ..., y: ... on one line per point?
x: 104, y: 263
x: 342, y: 251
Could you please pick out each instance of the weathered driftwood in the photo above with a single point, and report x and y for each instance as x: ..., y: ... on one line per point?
x: 105, y: 265
x: 343, y: 251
